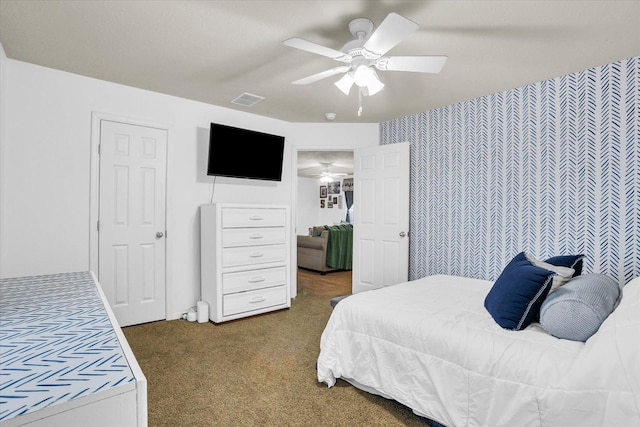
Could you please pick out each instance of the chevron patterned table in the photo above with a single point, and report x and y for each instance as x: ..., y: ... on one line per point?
x: 57, y: 343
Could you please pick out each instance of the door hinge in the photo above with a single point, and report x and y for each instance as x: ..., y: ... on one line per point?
x: 98, y: 225
x: 99, y: 145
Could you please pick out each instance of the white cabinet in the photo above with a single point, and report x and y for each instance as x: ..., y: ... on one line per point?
x: 244, y: 259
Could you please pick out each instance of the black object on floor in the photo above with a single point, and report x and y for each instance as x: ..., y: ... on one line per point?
x: 336, y: 300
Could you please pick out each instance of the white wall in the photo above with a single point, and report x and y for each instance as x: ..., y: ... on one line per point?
x: 308, y: 205
x: 3, y: 112
x: 47, y: 168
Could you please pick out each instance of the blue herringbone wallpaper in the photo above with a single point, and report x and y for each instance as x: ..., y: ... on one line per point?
x: 550, y: 168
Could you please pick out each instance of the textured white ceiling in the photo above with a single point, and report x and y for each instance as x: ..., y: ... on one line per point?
x: 213, y: 51
x: 312, y: 163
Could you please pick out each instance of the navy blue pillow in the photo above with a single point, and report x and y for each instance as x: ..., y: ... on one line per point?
x: 571, y: 261
x: 514, y: 300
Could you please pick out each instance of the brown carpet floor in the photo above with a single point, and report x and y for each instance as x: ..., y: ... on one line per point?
x: 258, y: 371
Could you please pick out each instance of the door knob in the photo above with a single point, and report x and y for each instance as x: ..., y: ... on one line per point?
x: 402, y: 234
x: 159, y: 234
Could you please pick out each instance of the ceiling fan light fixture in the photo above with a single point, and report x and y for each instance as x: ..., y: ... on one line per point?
x: 374, y: 86
x: 364, y: 75
x: 326, y: 179
x: 367, y: 79
x: 345, y: 83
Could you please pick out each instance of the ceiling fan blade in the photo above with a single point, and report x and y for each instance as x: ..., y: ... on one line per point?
x: 322, y: 75
x: 389, y: 33
x: 313, y: 48
x: 416, y: 64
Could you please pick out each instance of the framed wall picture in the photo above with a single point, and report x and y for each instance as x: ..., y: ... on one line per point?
x: 329, y: 203
x: 323, y: 192
x: 347, y: 184
x: 334, y: 187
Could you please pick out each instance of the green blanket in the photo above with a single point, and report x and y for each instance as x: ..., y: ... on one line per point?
x: 340, y: 246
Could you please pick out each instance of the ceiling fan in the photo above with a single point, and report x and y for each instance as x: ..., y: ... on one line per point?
x: 363, y: 54
x: 326, y: 175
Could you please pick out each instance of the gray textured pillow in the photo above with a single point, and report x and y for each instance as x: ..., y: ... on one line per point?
x: 576, y: 310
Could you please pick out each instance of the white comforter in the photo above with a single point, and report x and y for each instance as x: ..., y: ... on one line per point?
x: 432, y: 346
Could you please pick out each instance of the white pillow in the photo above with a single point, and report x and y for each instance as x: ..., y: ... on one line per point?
x: 562, y: 276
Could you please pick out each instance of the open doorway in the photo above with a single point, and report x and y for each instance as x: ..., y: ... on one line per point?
x: 321, y: 199
x: 324, y: 207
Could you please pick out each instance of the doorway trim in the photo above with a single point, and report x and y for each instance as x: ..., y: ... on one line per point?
x: 94, y: 195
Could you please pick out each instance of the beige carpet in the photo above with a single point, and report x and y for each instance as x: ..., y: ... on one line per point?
x: 258, y: 371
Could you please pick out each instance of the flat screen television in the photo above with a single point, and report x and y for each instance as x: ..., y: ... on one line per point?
x: 243, y: 153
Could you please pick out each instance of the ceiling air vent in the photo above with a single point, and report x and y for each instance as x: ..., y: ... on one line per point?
x: 247, y: 99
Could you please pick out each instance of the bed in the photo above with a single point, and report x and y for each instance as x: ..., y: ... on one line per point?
x: 63, y: 358
x: 431, y: 345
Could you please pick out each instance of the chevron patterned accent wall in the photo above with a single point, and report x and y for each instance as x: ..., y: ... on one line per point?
x: 550, y: 168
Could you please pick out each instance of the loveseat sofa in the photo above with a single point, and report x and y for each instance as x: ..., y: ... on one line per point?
x: 312, y: 251
x: 316, y: 251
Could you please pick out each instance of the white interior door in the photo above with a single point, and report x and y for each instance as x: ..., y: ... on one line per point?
x: 131, y: 248
x: 381, y: 217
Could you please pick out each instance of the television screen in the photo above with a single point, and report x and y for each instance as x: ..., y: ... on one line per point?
x: 243, y: 153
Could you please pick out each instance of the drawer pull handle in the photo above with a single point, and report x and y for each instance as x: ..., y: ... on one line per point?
x: 256, y: 279
x: 256, y: 217
x: 256, y: 255
x: 256, y: 300
x: 256, y: 236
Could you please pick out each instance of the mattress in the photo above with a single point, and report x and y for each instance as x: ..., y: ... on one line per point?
x: 432, y: 346
x: 60, y: 349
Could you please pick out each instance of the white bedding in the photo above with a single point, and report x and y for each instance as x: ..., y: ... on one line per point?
x: 431, y: 345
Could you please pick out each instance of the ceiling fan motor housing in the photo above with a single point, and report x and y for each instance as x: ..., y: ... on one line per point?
x: 360, y: 27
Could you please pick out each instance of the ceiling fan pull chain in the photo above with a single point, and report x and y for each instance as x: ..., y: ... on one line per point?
x: 360, y: 102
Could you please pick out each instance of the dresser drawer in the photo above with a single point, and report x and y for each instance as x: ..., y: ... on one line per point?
x: 253, y: 279
x: 239, y: 217
x: 250, y: 255
x: 243, y: 302
x: 252, y: 236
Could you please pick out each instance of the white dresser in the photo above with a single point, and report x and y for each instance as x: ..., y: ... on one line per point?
x: 245, y: 260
